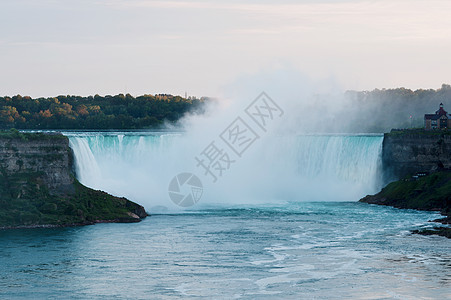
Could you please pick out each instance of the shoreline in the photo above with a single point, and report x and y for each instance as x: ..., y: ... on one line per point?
x: 427, y: 193
x: 119, y: 221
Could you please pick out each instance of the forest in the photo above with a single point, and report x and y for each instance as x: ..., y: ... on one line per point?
x: 376, y: 111
x: 95, y: 112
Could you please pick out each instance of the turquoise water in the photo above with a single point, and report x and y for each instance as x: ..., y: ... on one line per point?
x: 292, y: 250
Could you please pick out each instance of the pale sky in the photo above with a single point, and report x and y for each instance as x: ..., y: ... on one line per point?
x: 86, y: 47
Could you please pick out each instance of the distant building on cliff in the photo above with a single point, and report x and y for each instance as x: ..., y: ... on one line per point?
x: 439, y: 120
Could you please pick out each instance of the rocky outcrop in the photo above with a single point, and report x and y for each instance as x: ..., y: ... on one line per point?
x: 431, y: 192
x: 408, y: 152
x: 37, y: 187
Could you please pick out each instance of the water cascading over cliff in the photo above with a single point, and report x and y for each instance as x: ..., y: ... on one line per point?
x: 291, y: 168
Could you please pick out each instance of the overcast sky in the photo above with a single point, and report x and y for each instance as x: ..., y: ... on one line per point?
x: 83, y: 47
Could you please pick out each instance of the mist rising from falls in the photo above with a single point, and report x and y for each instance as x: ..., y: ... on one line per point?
x: 140, y: 166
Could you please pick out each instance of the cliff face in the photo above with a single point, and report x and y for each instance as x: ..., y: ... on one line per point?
x: 407, y: 153
x: 46, y: 155
x: 37, y: 187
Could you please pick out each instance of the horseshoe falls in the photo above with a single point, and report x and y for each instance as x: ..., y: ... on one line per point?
x: 283, y: 222
x: 140, y: 166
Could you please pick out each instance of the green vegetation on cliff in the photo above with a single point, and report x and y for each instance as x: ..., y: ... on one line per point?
x: 94, y: 112
x: 431, y: 193
x: 417, y: 131
x: 29, y: 136
x: 25, y: 201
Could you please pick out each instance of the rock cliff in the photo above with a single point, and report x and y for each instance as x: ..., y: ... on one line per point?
x: 408, y: 152
x: 37, y: 187
x: 48, y: 155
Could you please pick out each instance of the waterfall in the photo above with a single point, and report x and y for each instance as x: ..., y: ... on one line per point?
x: 140, y: 166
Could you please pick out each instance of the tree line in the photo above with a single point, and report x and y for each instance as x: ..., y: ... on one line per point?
x: 359, y: 111
x: 95, y: 112
x: 383, y: 109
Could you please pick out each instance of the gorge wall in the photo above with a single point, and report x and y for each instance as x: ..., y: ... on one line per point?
x: 44, y: 155
x: 407, y: 152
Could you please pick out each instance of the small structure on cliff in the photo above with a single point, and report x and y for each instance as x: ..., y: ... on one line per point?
x: 439, y: 120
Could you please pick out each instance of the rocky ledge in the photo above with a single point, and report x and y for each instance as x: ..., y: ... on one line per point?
x: 431, y: 193
x: 38, y: 188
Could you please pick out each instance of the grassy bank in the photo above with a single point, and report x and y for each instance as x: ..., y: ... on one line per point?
x: 25, y: 201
